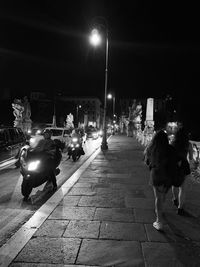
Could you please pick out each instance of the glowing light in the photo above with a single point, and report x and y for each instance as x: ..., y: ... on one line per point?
x: 33, y: 165
x: 95, y: 38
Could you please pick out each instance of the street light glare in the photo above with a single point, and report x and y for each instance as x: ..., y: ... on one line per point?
x: 95, y: 38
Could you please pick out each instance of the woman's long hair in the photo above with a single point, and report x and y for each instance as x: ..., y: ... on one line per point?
x: 158, y: 147
x: 181, y: 140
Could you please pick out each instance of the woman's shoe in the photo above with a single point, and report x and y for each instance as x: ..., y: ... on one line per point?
x: 158, y: 226
x: 180, y: 212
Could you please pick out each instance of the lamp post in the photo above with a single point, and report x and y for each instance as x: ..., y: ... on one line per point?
x: 77, y: 109
x: 112, y: 96
x: 95, y: 39
x: 54, y: 112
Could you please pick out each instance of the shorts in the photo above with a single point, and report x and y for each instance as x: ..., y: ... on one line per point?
x: 159, y: 177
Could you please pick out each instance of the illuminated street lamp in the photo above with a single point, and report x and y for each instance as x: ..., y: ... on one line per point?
x: 95, y: 40
x: 112, y: 96
x: 77, y: 109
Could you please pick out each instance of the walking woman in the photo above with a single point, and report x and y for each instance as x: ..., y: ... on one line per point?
x: 161, y: 157
x: 184, y: 150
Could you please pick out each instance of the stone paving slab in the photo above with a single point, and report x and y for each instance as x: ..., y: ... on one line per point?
x: 144, y: 215
x: 96, y: 174
x: 128, y: 181
x: 21, y: 264
x: 114, y: 214
x: 89, y: 180
x: 70, y: 201
x: 73, y: 213
x: 82, y: 191
x: 122, y: 231
x: 102, y: 201
x: 155, y: 236
x: 187, y: 227
x: 52, y: 228
x: 110, y: 253
x: 170, y: 254
x: 139, y: 203
x: 82, y: 229
x: 50, y: 250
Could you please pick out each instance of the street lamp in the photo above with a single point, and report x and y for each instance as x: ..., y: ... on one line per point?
x: 112, y: 96
x: 95, y: 40
x: 54, y: 112
x: 77, y: 109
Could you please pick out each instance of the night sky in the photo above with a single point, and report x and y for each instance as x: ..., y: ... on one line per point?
x: 153, y: 48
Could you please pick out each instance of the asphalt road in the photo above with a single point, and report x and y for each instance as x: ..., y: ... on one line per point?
x: 14, y: 211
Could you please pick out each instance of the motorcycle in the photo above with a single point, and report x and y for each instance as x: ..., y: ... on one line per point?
x: 75, y: 149
x: 37, y: 168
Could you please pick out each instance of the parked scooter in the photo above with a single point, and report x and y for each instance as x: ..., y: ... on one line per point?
x: 75, y: 149
x: 38, y: 168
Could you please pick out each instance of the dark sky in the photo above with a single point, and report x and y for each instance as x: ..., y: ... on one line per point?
x: 153, y: 47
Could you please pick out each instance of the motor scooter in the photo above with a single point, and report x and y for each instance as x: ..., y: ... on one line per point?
x: 37, y: 168
x: 75, y: 149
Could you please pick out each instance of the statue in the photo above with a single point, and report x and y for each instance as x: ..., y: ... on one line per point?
x: 26, y: 115
x: 18, y: 107
x: 69, y: 121
x: 27, y: 109
x: 22, y: 113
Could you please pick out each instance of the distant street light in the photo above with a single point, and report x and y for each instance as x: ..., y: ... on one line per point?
x: 95, y: 40
x: 77, y: 109
x: 112, y: 96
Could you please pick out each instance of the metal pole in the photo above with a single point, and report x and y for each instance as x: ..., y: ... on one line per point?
x: 113, y: 108
x: 77, y: 114
x: 104, y: 145
x: 54, y: 113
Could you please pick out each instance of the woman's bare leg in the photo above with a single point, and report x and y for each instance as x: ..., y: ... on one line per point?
x: 174, y: 193
x: 181, y: 195
x: 159, y: 197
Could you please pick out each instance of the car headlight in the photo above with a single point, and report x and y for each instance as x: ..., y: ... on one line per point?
x: 74, y: 139
x: 72, y: 145
x: 32, y: 166
x: 77, y: 145
x: 38, y: 132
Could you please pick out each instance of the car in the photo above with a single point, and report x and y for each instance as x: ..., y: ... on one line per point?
x: 35, y: 131
x: 92, y: 132
x: 11, y: 141
x: 60, y: 133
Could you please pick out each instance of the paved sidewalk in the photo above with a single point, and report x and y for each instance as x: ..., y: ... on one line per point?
x: 106, y: 219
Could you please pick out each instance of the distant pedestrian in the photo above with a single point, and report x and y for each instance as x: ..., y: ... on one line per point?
x: 184, y: 150
x: 161, y: 158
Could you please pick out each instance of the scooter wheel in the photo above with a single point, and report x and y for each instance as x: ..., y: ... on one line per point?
x: 26, y: 188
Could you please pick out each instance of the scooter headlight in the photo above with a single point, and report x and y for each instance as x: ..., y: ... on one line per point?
x: 32, y: 166
x: 74, y: 139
